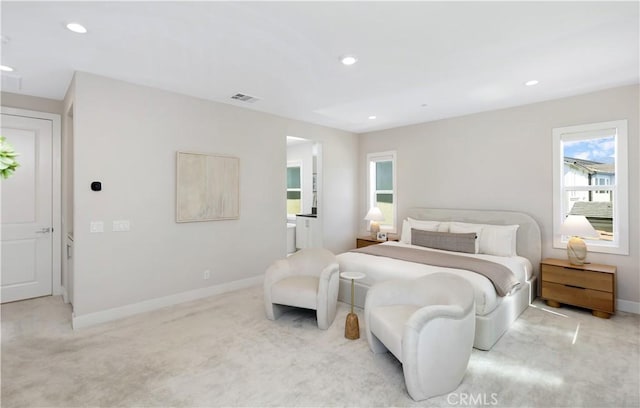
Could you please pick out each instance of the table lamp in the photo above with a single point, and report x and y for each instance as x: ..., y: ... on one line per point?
x: 577, y: 227
x: 374, y: 215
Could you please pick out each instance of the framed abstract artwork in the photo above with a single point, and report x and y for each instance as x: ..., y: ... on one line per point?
x: 207, y: 187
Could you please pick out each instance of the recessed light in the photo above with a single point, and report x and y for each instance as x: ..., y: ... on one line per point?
x: 6, y: 68
x: 531, y: 83
x: 372, y: 117
x: 348, y: 59
x: 77, y: 28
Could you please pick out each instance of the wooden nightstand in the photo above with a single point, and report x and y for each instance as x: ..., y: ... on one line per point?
x: 365, y: 241
x: 362, y: 242
x: 592, y: 286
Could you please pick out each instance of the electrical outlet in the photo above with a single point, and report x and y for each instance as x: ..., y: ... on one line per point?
x: 96, y: 226
x: 206, y: 274
x: 121, y: 225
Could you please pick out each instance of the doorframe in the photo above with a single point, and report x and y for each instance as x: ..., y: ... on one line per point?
x: 56, y: 190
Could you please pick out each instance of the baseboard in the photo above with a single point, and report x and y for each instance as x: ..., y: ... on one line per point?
x: 65, y: 295
x: 628, y: 306
x: 116, y: 313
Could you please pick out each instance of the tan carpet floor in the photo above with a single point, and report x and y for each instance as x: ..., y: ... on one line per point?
x: 222, y: 351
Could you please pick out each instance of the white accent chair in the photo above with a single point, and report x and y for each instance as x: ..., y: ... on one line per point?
x: 308, y: 279
x: 428, y: 324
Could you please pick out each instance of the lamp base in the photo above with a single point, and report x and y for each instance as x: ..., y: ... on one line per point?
x: 374, y: 228
x: 576, y: 251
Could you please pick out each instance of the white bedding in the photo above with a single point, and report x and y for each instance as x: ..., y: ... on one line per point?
x: 379, y: 269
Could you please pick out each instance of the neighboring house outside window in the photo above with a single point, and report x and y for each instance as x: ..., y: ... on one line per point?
x: 382, y: 187
x: 294, y: 189
x: 596, y: 205
x: 590, y: 179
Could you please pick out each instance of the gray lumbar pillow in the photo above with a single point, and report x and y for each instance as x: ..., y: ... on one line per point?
x: 447, y: 241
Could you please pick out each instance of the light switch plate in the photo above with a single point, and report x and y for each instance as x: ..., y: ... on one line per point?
x: 96, y: 226
x: 121, y: 225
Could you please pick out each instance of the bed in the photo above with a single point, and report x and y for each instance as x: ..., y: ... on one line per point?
x: 494, y: 313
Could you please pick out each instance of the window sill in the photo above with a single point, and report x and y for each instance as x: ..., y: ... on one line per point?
x: 596, y: 248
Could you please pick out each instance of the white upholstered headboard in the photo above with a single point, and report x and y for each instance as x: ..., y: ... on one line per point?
x: 529, y: 242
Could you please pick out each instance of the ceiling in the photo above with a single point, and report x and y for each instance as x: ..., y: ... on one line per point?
x: 417, y: 61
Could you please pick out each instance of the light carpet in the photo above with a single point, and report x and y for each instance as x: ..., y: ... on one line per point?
x: 222, y: 351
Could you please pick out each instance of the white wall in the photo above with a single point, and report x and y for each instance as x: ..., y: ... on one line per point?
x: 502, y: 160
x: 126, y: 136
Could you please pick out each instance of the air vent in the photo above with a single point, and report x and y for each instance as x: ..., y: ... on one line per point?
x: 245, y: 98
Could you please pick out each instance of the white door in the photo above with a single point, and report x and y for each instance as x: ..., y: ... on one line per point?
x: 27, y: 210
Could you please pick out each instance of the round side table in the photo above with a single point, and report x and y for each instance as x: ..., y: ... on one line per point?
x: 351, y: 326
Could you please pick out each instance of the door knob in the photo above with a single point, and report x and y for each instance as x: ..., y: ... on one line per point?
x: 44, y: 230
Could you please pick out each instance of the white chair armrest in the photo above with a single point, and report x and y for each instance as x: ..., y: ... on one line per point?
x: 327, y: 272
x: 446, y: 333
x: 327, y: 295
x: 421, y: 317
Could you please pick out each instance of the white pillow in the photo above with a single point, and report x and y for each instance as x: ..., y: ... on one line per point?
x: 499, y: 240
x: 464, y: 227
x: 417, y: 224
x: 405, y: 237
x: 424, y: 225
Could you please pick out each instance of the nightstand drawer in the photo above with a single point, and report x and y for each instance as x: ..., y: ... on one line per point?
x: 576, y: 277
x: 362, y: 242
x: 589, y: 298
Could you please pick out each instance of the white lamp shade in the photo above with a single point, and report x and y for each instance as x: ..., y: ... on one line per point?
x: 578, y: 226
x: 374, y: 214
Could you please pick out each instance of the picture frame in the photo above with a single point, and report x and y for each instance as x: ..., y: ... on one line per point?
x: 381, y: 236
x: 207, y: 187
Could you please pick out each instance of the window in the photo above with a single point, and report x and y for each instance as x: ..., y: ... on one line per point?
x: 294, y: 189
x: 590, y: 179
x: 382, y: 192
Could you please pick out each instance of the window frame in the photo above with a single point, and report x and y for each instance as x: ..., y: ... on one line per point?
x: 295, y: 163
x: 390, y: 155
x: 620, y: 189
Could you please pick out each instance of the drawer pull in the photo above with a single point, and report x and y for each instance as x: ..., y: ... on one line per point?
x: 572, y: 286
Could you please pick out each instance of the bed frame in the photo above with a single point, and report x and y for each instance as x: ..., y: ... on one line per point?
x: 490, y: 327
